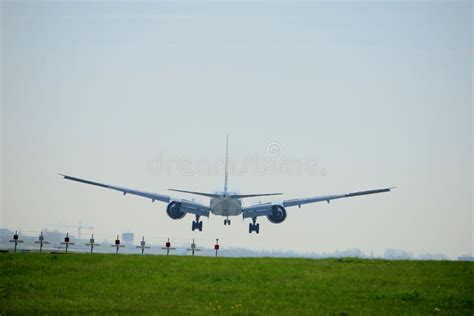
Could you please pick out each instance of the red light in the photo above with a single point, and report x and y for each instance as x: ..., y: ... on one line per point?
x: 168, y: 244
x: 216, y: 247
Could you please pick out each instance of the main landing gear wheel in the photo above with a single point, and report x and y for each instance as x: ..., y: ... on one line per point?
x: 254, y: 227
x: 197, y: 224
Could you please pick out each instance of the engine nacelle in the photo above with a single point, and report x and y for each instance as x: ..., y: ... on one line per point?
x: 174, y: 210
x: 278, y: 214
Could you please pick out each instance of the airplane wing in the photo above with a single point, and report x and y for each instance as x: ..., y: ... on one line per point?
x: 266, y: 208
x: 187, y: 206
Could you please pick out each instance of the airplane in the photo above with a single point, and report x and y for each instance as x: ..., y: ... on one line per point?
x: 226, y: 203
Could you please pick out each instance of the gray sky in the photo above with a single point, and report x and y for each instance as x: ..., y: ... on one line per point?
x: 368, y: 94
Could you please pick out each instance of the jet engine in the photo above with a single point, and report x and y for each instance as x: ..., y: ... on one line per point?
x: 278, y: 214
x: 174, y: 210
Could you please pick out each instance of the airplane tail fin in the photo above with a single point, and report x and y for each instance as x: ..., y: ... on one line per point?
x: 226, y: 182
x: 226, y: 176
x: 226, y: 165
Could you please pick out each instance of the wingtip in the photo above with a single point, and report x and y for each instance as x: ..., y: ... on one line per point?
x: 62, y: 175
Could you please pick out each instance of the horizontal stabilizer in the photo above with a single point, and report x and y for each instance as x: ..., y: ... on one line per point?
x: 237, y: 196
x: 197, y: 193
x: 241, y: 196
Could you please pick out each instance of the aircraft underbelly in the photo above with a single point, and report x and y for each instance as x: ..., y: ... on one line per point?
x: 226, y: 206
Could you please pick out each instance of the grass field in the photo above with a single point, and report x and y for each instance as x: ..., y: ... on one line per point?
x: 168, y: 285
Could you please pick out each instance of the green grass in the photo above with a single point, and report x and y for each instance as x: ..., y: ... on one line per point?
x: 175, y: 285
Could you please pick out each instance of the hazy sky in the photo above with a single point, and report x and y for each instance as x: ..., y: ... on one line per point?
x: 367, y: 94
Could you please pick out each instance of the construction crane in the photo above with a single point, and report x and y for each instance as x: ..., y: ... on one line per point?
x: 78, y: 227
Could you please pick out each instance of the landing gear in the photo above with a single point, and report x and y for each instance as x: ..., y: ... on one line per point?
x: 227, y: 221
x: 197, y: 224
x: 254, y: 227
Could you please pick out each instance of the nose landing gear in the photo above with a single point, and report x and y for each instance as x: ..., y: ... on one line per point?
x: 254, y: 227
x: 227, y: 221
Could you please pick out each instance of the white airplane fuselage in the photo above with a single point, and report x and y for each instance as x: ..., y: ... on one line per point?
x: 226, y: 206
